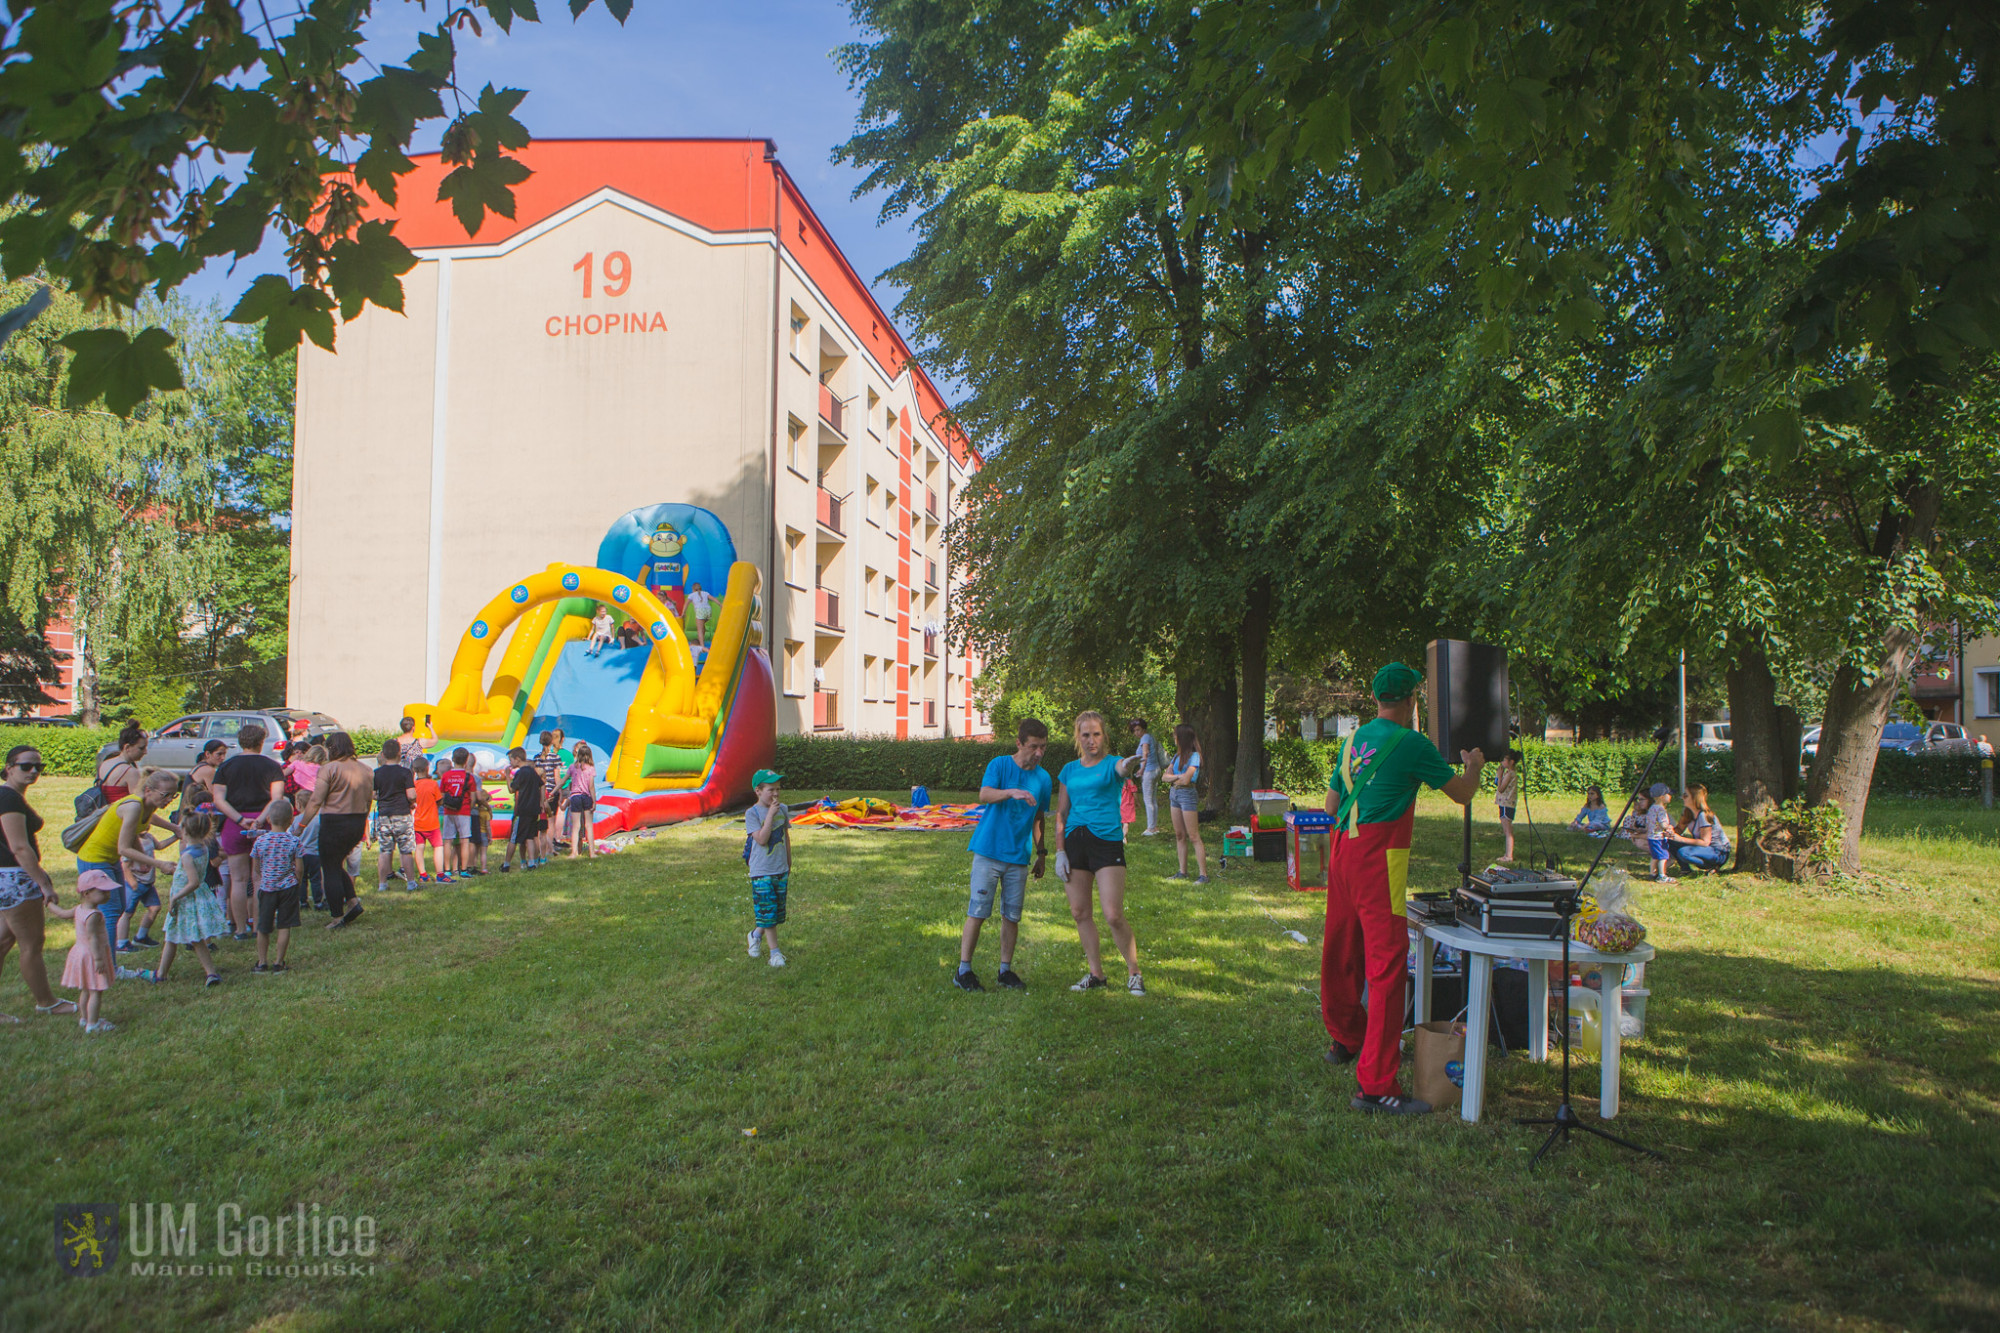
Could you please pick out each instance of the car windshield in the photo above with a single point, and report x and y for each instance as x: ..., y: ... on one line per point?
x: 1900, y: 731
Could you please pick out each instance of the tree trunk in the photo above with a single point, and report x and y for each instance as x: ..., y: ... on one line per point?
x: 1255, y: 648
x: 1217, y: 726
x: 1754, y: 737
x: 1851, y: 733
x: 1850, y: 737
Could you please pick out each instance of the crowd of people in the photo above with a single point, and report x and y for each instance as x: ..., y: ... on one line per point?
x: 247, y: 841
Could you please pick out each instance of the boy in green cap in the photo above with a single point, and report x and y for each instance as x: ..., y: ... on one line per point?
x: 769, y: 854
x: 1373, y: 798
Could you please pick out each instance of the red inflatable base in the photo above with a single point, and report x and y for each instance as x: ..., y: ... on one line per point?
x: 749, y: 742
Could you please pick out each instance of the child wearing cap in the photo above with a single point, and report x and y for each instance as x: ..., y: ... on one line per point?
x: 89, y: 968
x: 769, y: 854
x: 1659, y: 823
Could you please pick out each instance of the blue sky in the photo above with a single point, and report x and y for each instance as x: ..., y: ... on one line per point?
x: 753, y: 68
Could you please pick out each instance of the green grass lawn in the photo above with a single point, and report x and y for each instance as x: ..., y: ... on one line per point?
x: 542, y: 1086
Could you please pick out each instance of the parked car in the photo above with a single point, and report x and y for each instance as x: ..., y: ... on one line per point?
x: 177, y: 745
x: 1711, y: 735
x: 37, y: 721
x: 1947, y: 738
x: 1905, y: 736
x: 1809, y: 744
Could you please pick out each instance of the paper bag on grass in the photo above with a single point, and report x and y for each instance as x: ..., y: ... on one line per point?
x: 1438, y: 1044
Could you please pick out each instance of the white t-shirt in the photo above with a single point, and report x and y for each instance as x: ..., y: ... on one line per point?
x: 699, y: 601
x: 602, y: 622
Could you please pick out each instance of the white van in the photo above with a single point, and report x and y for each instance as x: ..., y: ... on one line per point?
x: 1709, y: 735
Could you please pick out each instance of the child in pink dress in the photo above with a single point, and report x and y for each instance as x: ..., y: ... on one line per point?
x: 89, y: 967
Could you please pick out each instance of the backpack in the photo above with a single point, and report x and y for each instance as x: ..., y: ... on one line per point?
x: 92, y: 798
x: 452, y: 788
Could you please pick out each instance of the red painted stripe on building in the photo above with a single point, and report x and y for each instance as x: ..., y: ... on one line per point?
x: 903, y: 573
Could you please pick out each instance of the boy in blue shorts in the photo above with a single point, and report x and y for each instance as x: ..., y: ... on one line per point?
x: 1014, y: 795
x: 1659, y: 823
x: 769, y: 854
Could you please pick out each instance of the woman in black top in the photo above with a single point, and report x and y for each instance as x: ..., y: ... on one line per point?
x: 24, y: 883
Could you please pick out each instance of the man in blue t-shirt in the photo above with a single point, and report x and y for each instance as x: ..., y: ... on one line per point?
x: 1015, y: 795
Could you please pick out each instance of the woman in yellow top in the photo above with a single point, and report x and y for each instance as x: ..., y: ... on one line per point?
x: 115, y: 840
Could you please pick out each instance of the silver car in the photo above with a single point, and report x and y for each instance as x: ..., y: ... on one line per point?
x: 177, y: 745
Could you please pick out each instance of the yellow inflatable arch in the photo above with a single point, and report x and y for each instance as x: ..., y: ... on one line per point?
x: 662, y: 711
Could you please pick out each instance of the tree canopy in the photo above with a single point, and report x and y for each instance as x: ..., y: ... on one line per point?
x: 144, y: 139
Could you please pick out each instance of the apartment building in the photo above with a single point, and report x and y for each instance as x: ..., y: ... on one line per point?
x: 661, y: 321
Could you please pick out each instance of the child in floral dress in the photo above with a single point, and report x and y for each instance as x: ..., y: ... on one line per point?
x: 194, y: 915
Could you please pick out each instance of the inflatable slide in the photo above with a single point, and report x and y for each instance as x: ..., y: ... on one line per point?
x: 676, y: 723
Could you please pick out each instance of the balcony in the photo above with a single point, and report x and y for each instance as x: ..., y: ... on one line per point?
x: 930, y: 573
x: 930, y: 644
x: 930, y: 503
x: 826, y: 710
x: 829, y: 512
x: 832, y: 411
x: 826, y: 609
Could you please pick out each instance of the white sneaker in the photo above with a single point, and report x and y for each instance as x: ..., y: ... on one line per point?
x: 1134, y: 985
x: 777, y: 959
x: 756, y: 942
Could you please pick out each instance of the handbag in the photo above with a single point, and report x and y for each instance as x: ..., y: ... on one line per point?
x: 78, y: 833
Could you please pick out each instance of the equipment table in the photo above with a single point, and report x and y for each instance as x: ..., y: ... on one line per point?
x: 1481, y: 950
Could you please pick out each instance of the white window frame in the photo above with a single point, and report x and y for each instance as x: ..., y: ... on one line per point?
x: 1986, y: 692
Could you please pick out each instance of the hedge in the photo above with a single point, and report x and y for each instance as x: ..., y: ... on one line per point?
x: 68, y: 751
x: 884, y: 763
x: 1615, y: 766
x: 72, y: 751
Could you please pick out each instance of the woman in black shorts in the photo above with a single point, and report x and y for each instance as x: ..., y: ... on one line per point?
x: 1094, y: 847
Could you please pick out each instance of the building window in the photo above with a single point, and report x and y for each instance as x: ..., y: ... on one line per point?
x: 795, y: 670
x: 868, y: 670
x: 1986, y: 693
x: 888, y: 506
x: 795, y: 433
x: 794, y: 557
x: 868, y: 508
x: 868, y: 601
x: 888, y: 595
x: 799, y: 323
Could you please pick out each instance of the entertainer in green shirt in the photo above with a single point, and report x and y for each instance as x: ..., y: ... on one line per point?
x: 1373, y: 798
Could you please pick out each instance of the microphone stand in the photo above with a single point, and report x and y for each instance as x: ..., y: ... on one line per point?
x: 1565, y: 1120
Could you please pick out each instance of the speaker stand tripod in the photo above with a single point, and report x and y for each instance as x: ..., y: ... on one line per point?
x: 1566, y: 1121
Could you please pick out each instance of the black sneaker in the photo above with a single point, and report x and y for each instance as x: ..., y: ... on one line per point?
x: 1391, y: 1105
x: 144, y: 941
x: 1011, y: 979
x: 1336, y: 1054
x: 278, y: 967
x: 261, y: 967
x: 1091, y: 981
x: 966, y: 980
x: 214, y: 979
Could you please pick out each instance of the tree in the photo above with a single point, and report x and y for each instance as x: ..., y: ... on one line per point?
x: 118, y: 112
x: 164, y: 531
x: 1137, y: 362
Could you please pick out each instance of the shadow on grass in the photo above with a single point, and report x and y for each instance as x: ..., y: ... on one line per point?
x: 1854, y: 1111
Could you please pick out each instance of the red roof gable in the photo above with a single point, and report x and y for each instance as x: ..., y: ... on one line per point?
x: 721, y: 185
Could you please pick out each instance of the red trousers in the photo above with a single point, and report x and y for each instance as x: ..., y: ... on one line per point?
x: 1367, y: 940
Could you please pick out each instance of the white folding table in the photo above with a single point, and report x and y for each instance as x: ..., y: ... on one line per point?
x: 1481, y: 950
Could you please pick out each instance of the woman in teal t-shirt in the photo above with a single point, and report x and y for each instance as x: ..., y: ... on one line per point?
x: 1094, y: 847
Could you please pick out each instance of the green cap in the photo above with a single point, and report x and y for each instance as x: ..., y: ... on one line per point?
x: 764, y: 775
x: 1395, y: 683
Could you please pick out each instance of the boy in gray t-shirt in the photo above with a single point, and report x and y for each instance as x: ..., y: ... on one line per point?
x: 768, y: 850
